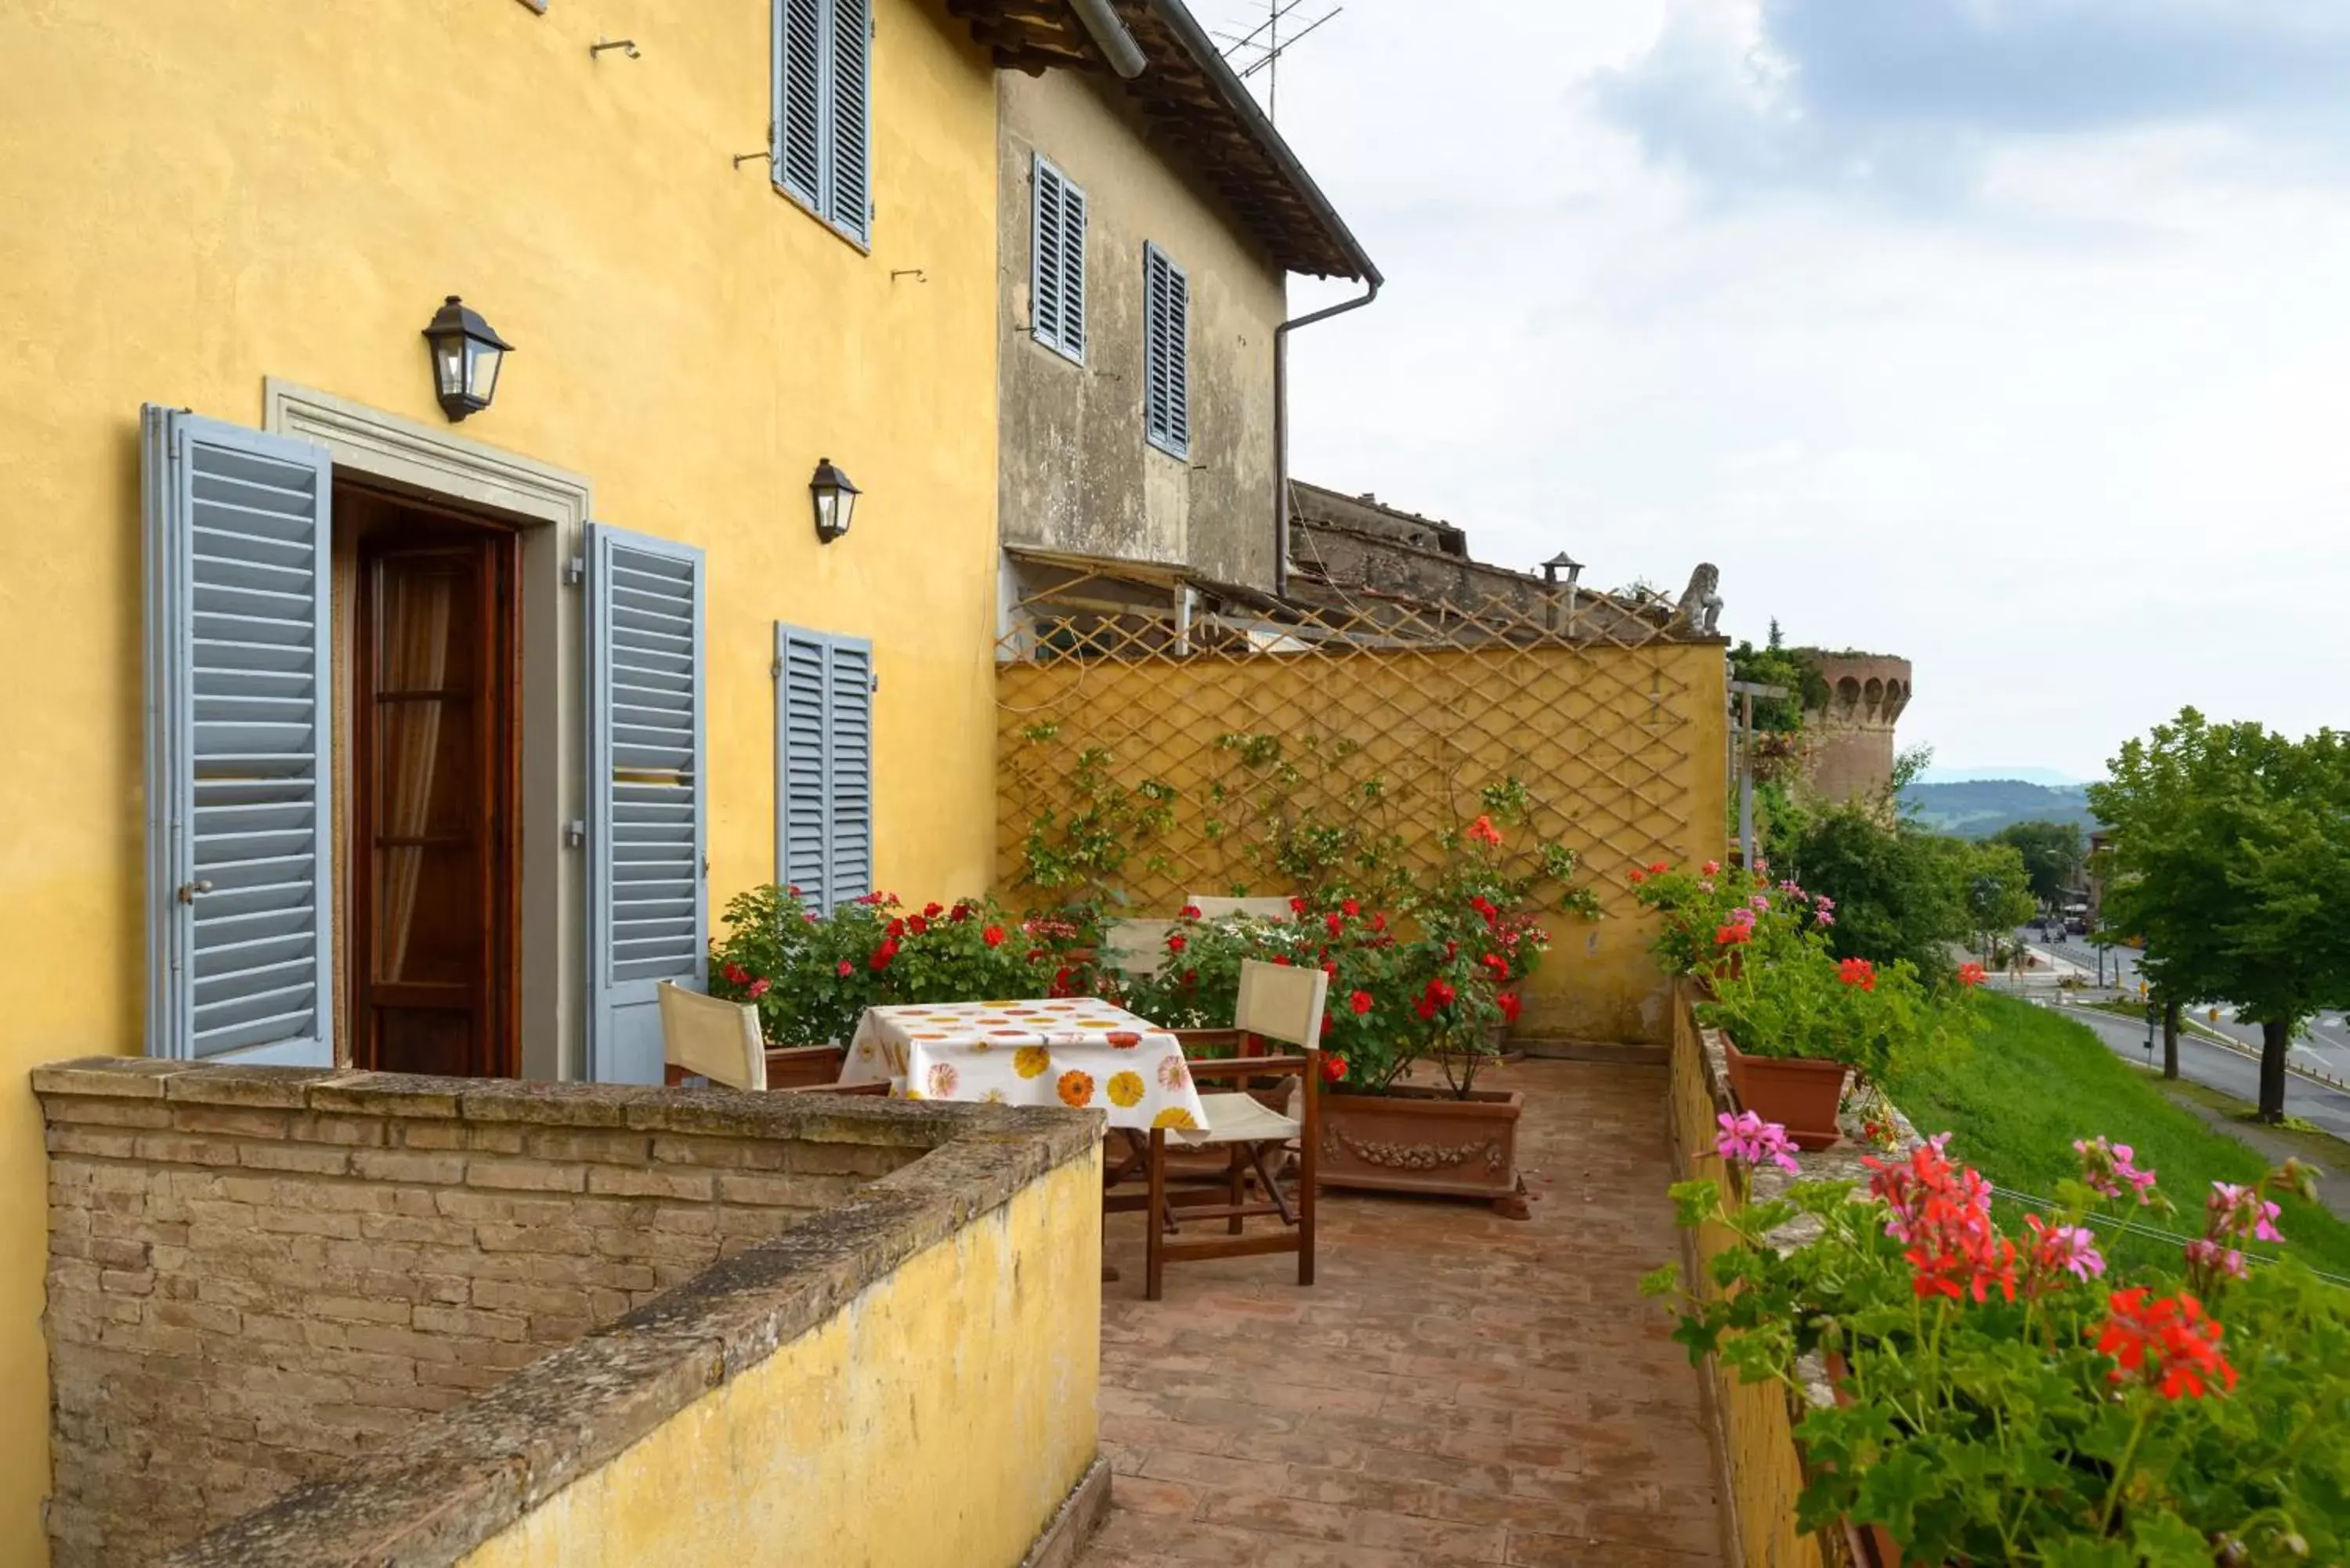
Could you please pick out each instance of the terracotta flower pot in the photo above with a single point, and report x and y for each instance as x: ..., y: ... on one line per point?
x: 1422, y: 1139
x: 1800, y: 1093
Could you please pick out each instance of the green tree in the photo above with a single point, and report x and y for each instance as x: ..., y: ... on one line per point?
x: 2229, y: 858
x: 2052, y: 854
x: 1999, y: 890
x: 1899, y: 891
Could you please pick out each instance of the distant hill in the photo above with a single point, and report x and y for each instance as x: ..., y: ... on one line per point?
x: 1974, y: 775
x: 1977, y: 808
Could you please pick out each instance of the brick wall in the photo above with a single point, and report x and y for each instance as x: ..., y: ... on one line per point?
x: 255, y: 1273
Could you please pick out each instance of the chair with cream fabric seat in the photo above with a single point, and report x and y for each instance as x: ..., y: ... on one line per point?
x: 1278, y: 1005
x: 706, y: 1037
x: 1135, y: 949
x: 1210, y: 906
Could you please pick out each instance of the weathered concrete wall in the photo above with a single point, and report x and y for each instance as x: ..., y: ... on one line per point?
x: 255, y: 1273
x: 1850, y: 738
x: 1076, y: 474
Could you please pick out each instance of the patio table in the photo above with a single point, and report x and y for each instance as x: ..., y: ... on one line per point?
x: 1051, y: 1050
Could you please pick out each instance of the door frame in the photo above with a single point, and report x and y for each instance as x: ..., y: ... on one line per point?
x: 553, y: 506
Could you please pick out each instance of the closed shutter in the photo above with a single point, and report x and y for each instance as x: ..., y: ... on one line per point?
x: 823, y: 766
x: 648, y: 887
x: 802, y: 696
x: 850, y: 203
x: 240, y: 809
x: 799, y: 99
x: 1058, y: 228
x: 1167, y: 392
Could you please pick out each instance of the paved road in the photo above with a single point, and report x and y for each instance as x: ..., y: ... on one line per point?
x: 2325, y: 1044
x: 2223, y: 1070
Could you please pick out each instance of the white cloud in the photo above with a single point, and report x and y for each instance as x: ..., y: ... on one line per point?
x: 2061, y: 422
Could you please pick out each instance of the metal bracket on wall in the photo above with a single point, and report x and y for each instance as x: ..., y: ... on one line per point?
x: 575, y: 571
x: 575, y: 833
x: 626, y: 45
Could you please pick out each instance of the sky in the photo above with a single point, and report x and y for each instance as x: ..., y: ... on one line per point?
x: 2009, y: 336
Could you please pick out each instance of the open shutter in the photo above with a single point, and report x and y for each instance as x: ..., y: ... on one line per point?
x: 823, y: 766
x: 1177, y: 359
x: 240, y: 815
x: 849, y: 203
x: 849, y: 764
x: 648, y: 887
x: 799, y: 99
x: 801, y: 859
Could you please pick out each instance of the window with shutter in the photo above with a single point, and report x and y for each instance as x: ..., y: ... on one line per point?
x: 239, y: 794
x: 1058, y: 230
x: 823, y: 766
x: 822, y: 131
x: 1166, y: 328
x: 647, y: 888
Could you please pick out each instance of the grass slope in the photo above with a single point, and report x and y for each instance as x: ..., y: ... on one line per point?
x: 2033, y: 1081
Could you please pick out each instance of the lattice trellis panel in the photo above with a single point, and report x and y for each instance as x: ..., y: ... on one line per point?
x: 1613, y: 723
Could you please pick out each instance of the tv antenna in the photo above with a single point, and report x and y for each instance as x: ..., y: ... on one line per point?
x: 1269, y: 44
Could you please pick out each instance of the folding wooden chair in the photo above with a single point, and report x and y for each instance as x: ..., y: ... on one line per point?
x: 704, y: 1037
x: 1135, y: 949
x: 1209, y: 907
x: 1277, y: 1004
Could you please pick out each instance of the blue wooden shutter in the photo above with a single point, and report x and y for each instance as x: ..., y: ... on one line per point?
x: 1166, y: 311
x: 1058, y: 231
x: 648, y: 887
x: 799, y: 99
x: 848, y: 762
x: 823, y: 766
x: 849, y: 200
x: 1073, y: 272
x: 802, y: 860
x: 1044, y: 242
x: 240, y: 809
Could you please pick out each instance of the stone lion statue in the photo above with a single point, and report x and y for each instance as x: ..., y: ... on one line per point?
x: 1700, y: 608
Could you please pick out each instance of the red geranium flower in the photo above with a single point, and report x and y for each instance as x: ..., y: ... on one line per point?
x: 993, y: 936
x: 1282, y: 960
x: 1508, y: 1002
x: 1360, y: 1001
x: 1440, y: 992
x: 2168, y: 1341
x: 1174, y: 944
x: 934, y: 910
x: 1636, y: 876
x: 1971, y: 974
x: 1732, y: 936
x: 1658, y: 868
x: 1857, y: 972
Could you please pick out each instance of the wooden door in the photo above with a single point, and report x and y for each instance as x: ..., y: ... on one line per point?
x: 435, y: 765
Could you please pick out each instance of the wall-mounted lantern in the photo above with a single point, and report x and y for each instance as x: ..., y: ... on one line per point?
x: 1562, y: 562
x: 466, y: 355
x: 835, y: 500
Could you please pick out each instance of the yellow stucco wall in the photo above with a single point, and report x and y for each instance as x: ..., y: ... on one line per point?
x: 1755, y: 1426
x: 194, y: 197
x: 1621, y: 750
x: 936, y: 1422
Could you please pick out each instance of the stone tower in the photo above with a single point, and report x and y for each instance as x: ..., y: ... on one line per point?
x: 1851, y: 736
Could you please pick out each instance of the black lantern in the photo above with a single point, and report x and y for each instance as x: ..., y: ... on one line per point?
x: 835, y: 500
x: 1562, y: 562
x: 466, y: 355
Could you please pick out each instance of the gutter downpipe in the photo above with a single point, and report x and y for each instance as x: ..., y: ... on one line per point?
x: 1110, y: 36
x: 1281, y: 421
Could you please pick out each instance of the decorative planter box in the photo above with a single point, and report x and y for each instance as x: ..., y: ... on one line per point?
x: 1413, y: 1139
x: 1798, y: 1092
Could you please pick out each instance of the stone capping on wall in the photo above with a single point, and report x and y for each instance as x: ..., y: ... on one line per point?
x: 461, y: 1477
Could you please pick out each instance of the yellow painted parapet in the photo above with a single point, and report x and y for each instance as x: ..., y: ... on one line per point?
x: 1754, y: 1422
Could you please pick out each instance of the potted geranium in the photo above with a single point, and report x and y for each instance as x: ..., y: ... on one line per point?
x: 2007, y: 1395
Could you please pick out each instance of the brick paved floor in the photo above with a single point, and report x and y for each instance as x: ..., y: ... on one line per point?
x: 1457, y: 1388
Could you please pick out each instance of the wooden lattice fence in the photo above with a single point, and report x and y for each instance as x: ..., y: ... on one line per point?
x: 1395, y: 720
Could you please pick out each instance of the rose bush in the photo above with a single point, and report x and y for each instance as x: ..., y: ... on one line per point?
x: 2005, y: 1396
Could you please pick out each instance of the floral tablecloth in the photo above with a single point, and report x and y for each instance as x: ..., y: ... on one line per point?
x: 1053, y: 1051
